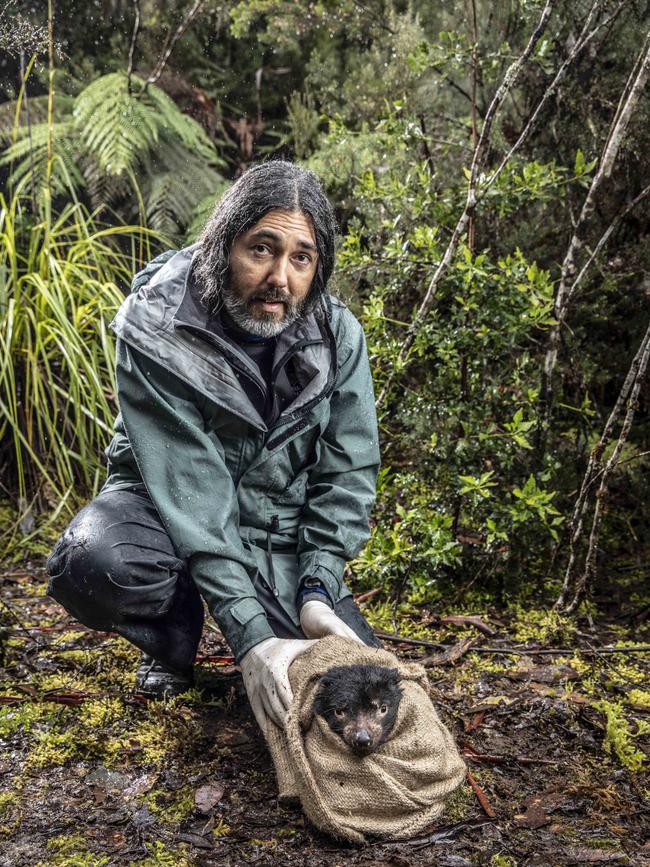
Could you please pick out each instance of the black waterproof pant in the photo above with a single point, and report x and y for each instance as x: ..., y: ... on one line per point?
x: 115, y: 569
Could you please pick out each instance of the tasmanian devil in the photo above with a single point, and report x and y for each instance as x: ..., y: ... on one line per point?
x: 359, y: 703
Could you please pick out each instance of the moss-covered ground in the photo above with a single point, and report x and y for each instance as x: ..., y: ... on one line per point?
x: 93, y: 774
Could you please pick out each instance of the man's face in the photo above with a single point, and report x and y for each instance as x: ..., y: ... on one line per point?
x: 271, y: 270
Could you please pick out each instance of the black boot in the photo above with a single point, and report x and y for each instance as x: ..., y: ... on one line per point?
x: 157, y: 681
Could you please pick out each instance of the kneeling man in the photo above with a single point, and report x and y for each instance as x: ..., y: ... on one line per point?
x: 244, y: 461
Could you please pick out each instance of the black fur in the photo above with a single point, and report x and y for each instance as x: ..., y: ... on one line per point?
x: 360, y: 703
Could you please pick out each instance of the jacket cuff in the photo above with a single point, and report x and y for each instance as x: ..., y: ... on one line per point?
x: 244, y: 624
x: 326, y: 567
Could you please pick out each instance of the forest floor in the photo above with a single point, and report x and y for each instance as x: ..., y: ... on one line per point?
x: 555, y: 734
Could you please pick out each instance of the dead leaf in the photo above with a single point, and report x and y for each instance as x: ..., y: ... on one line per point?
x: 206, y: 798
x: 593, y: 856
x: 141, y: 785
x: 535, y: 815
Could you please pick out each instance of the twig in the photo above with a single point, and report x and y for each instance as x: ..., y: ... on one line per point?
x: 480, y: 794
x: 134, y: 37
x: 364, y: 597
x: 416, y: 642
x: 540, y: 651
x: 182, y: 27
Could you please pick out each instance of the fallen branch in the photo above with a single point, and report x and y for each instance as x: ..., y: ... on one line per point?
x: 467, y: 620
x: 451, y: 655
x: 528, y: 651
x: 471, y: 755
x: 481, y: 796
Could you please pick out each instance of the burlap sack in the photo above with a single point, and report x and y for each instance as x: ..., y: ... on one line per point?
x: 392, y: 793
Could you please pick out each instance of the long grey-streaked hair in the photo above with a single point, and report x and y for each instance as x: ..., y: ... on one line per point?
x: 276, y: 184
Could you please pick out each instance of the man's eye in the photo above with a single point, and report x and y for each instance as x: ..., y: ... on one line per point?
x: 339, y: 712
x: 260, y: 248
x: 303, y: 259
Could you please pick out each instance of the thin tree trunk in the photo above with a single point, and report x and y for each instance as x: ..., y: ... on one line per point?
x: 134, y: 38
x: 509, y: 80
x: 182, y: 27
x: 627, y: 104
x: 595, y: 470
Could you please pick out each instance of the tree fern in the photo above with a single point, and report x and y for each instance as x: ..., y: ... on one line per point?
x: 121, y: 149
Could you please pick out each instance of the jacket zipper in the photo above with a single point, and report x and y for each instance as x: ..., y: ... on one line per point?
x: 274, y: 527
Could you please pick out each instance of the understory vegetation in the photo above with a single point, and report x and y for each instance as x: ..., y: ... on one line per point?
x: 489, y: 168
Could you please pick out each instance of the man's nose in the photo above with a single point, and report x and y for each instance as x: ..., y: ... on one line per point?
x: 277, y: 275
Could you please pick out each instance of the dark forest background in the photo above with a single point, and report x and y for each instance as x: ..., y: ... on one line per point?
x: 489, y: 166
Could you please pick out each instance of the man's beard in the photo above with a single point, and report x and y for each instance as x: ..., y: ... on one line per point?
x: 265, y: 324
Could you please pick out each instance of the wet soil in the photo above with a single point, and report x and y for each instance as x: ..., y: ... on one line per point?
x: 92, y: 773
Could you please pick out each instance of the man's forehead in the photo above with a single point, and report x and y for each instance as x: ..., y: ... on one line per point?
x: 284, y: 226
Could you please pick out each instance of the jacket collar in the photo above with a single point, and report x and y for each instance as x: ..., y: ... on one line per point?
x: 166, y: 320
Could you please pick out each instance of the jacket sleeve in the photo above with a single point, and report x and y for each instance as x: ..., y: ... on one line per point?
x: 342, y: 485
x: 188, y: 481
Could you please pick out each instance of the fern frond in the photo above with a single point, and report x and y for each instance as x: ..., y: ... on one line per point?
x: 177, y: 181
x: 116, y: 127
x: 29, y: 157
x: 62, y: 109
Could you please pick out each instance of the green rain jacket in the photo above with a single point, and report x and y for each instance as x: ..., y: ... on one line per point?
x: 236, y: 496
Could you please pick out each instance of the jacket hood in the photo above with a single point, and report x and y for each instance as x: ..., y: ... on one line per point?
x: 165, y: 319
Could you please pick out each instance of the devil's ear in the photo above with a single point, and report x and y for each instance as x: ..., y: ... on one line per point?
x: 393, y: 677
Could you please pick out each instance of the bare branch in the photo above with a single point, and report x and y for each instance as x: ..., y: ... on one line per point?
x: 628, y: 102
x: 171, y: 42
x: 505, y: 87
x: 628, y: 396
x: 605, y: 238
x: 584, y: 38
x: 134, y: 37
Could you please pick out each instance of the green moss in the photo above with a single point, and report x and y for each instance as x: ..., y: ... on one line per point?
x: 171, y: 807
x: 162, y: 856
x: 640, y: 697
x: 459, y: 804
x: 619, y: 736
x: 7, y: 801
x: 540, y: 626
x: 23, y: 716
x: 502, y: 861
x: 70, y: 851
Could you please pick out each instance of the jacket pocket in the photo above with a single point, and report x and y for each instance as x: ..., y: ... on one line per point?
x: 245, y: 610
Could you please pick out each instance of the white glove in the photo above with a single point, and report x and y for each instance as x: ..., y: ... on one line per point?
x: 318, y: 620
x: 265, y: 671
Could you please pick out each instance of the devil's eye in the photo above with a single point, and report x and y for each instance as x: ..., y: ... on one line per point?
x: 339, y: 712
x: 383, y: 708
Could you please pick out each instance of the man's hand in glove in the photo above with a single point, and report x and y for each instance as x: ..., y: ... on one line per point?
x: 318, y: 620
x: 265, y: 671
